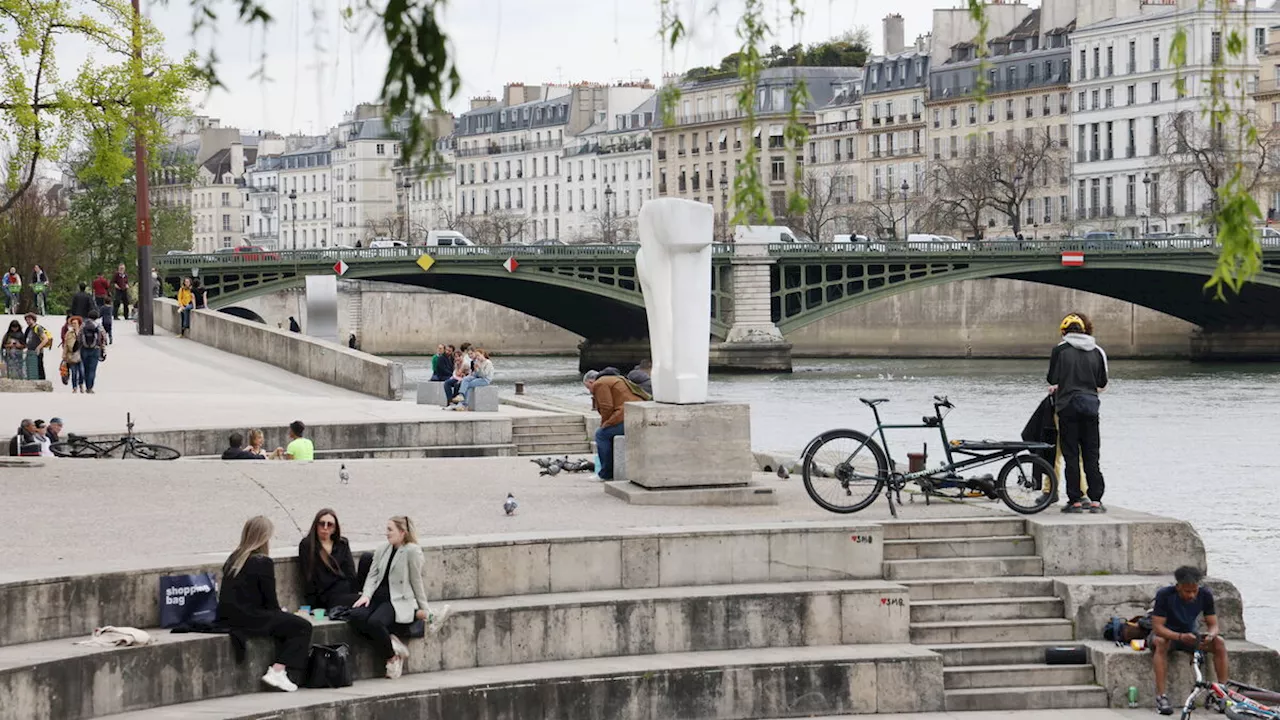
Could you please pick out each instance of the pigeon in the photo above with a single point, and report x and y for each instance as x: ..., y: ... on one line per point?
x: 510, y: 505
x: 782, y: 472
x: 343, y: 476
x: 553, y: 470
x: 543, y: 463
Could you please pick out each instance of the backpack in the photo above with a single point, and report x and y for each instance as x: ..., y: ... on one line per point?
x: 89, y: 335
x: 1121, y: 631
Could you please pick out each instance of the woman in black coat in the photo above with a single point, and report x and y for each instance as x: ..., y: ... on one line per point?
x: 247, y: 604
x: 329, y: 577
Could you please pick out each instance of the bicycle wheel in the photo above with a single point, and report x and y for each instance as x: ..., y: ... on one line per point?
x: 844, y: 470
x: 74, y: 449
x: 152, y: 452
x: 1026, y: 484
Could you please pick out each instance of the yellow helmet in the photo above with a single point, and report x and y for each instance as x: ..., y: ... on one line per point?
x: 1070, y: 320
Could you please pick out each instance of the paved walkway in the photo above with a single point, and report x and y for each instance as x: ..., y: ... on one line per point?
x: 168, y: 383
x: 118, y: 514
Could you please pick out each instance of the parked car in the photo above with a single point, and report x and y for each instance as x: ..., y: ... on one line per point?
x: 254, y: 253
x: 935, y: 243
x: 178, y: 252
x: 548, y: 242
x: 763, y: 234
x: 386, y: 243
x: 859, y: 243
x: 1269, y: 236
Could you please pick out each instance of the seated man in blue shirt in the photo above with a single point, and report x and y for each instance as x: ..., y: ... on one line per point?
x: 1174, y: 623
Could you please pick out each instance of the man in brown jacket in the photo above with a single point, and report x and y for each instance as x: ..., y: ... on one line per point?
x: 609, y: 394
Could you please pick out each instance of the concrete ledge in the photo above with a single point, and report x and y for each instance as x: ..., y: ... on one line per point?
x: 73, y: 682
x: 1090, y: 601
x: 1119, y: 667
x: 9, y: 385
x: 1121, y: 542
x: 752, y: 493
x: 309, y: 357
x: 491, y: 566
x: 726, y: 685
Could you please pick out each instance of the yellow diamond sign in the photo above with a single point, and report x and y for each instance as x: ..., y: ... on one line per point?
x: 426, y: 261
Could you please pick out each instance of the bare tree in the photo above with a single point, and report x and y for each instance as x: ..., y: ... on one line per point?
x: 889, y: 211
x: 1215, y: 156
x: 962, y: 190
x: 823, y: 191
x: 608, y: 227
x: 1011, y: 169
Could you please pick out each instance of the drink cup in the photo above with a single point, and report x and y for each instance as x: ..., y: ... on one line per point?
x: 319, y: 613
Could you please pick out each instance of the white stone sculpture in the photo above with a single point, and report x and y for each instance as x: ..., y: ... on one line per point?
x: 674, y: 267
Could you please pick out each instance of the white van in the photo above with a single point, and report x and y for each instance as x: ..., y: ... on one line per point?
x: 387, y: 243
x: 447, y: 238
x: 935, y: 243
x: 859, y: 243
x: 763, y: 234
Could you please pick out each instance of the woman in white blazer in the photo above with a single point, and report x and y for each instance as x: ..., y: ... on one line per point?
x: 394, y: 595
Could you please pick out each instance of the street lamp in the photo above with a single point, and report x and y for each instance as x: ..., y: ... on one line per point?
x: 1017, y: 214
x: 293, y: 212
x: 1146, y: 210
x: 608, y: 214
x: 404, y: 215
x: 724, y: 208
x: 905, y: 210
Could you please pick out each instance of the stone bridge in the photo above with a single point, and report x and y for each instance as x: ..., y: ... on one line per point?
x: 760, y: 293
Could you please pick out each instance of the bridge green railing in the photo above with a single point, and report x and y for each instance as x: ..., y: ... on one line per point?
x: 1193, y: 246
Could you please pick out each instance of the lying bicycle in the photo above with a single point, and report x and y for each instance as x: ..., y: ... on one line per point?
x: 845, y: 470
x: 1236, y: 700
x: 79, y: 446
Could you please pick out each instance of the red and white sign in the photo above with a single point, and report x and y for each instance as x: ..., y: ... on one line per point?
x: 1073, y: 259
x: 341, y: 267
x: 511, y: 264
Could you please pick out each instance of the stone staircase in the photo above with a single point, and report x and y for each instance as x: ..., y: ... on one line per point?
x: 990, y: 617
x: 550, y: 436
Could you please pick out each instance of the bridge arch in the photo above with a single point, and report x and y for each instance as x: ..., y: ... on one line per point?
x: 244, y: 313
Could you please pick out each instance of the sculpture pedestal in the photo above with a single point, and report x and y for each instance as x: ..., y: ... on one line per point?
x: 690, y: 455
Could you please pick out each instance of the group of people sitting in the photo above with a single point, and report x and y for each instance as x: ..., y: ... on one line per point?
x: 35, y: 438
x: 384, y: 599
x: 299, y: 446
x: 462, y: 370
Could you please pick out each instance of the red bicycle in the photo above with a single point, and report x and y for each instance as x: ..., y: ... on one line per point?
x: 1229, y: 697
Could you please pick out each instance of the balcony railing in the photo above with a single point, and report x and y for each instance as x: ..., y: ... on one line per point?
x: 520, y: 146
x: 836, y: 127
x: 1130, y: 210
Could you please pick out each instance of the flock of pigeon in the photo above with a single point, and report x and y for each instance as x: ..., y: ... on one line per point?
x: 554, y: 466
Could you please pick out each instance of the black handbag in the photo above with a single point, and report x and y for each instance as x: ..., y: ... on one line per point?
x: 329, y: 666
x: 417, y: 629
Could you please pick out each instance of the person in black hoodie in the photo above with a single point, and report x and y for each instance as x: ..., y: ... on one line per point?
x: 1077, y: 372
x: 81, y: 302
x: 248, y: 606
x: 329, y: 576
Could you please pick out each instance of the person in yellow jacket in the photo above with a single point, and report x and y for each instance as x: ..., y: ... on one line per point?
x: 186, y: 303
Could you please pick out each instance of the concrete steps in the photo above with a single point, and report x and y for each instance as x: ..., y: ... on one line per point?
x: 1054, y: 697
x: 968, y: 589
x: 979, y: 631
x: 936, y: 611
x: 971, y: 567
x: 1021, y: 652
x: 974, y: 677
x: 554, y: 435
x: 953, y: 528
x: 767, y: 683
x: 950, y: 548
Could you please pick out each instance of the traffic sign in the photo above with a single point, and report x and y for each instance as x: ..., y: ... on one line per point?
x: 1073, y: 258
x: 426, y: 261
x: 511, y: 264
x: 340, y: 267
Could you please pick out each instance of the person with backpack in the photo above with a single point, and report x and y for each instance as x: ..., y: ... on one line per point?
x: 92, y: 341
x: 1077, y: 372
x: 71, y: 353
x: 37, y: 339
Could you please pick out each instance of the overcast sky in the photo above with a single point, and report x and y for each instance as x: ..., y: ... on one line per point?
x: 318, y: 68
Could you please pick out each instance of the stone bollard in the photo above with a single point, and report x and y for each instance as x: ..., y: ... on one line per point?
x: 431, y: 393
x: 484, y: 399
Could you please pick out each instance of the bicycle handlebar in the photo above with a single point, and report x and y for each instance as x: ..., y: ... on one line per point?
x: 942, y: 401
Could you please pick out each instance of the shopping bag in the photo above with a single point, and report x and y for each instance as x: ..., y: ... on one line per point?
x: 186, y: 599
x: 329, y: 666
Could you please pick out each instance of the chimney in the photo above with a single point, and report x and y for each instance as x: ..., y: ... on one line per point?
x: 894, y: 34
x: 237, y: 160
x: 484, y: 101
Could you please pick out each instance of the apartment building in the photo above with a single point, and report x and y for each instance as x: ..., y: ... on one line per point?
x: 893, y: 129
x: 510, y: 152
x: 217, y: 198
x: 307, y: 195
x: 261, y: 209
x: 361, y: 159
x: 697, y: 156
x: 834, y: 172
x: 1134, y: 128
x: 1023, y: 117
x: 426, y: 190
x: 617, y: 158
x: 1266, y: 99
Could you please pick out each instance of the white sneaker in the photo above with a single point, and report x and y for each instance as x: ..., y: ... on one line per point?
x: 437, y: 620
x: 279, y: 680
x: 595, y: 478
x: 401, y: 650
x: 395, y: 666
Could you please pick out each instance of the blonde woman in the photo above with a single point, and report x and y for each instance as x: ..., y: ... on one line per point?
x: 394, y: 595
x: 247, y: 604
x: 256, y: 444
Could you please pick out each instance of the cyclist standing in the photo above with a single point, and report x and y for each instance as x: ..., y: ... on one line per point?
x: 1077, y: 371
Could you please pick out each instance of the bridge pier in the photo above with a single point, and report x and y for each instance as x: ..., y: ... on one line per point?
x: 753, y: 343
x: 1236, y: 344
x: 724, y: 357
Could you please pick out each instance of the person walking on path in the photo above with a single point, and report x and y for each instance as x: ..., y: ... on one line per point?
x: 186, y: 303
x: 248, y: 605
x: 609, y: 395
x: 12, y: 289
x: 92, y: 339
x: 101, y: 290
x: 1077, y: 372
x: 40, y: 288
x: 81, y: 303
x: 394, y: 595
x: 71, y: 353
x: 38, y: 339
x: 120, y: 293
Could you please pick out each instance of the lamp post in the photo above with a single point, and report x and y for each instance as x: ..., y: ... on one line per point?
x: 1017, y: 210
x: 905, y: 210
x: 724, y: 208
x: 404, y: 215
x: 608, y: 214
x: 1146, y: 210
x: 293, y: 213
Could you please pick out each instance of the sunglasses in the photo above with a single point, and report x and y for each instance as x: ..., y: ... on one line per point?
x: 326, y: 523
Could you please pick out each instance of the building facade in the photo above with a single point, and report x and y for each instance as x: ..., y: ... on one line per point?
x: 363, y: 156
x: 617, y: 178
x: 217, y: 199
x: 306, y: 197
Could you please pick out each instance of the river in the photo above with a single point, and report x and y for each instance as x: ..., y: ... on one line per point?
x: 1197, y: 442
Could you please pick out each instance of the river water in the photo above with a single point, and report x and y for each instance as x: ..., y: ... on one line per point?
x: 1197, y: 442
